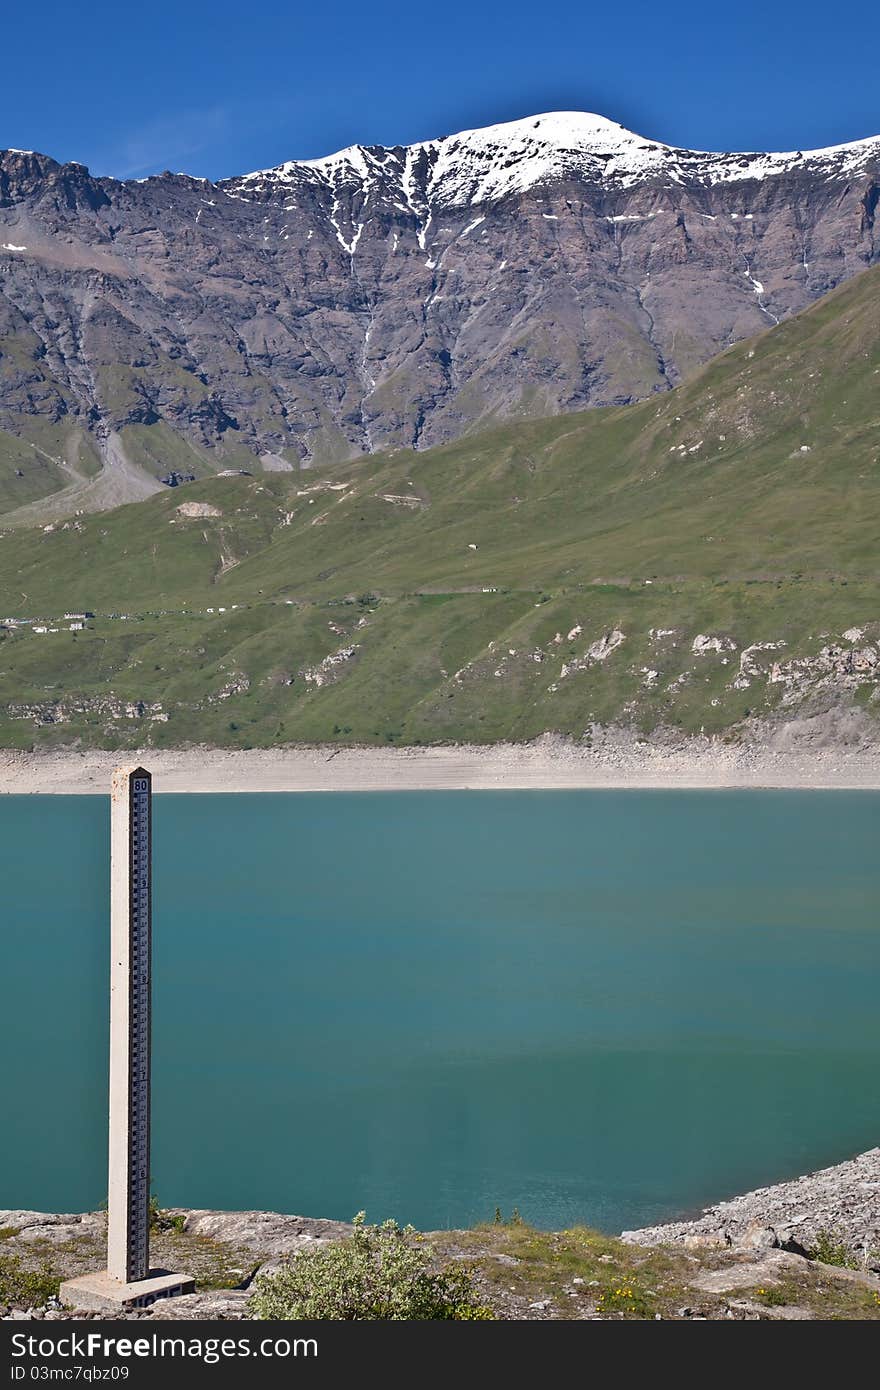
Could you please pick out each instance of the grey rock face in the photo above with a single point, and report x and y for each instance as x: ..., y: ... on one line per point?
x: 401, y: 297
x: 269, y: 1235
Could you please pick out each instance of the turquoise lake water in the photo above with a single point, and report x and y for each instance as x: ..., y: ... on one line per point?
x: 607, y: 1007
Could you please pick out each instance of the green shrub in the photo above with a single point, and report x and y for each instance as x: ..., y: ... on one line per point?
x: 22, y: 1287
x: 380, y: 1272
x: 515, y: 1219
x: 832, y: 1251
x: 162, y: 1220
x: 773, y: 1297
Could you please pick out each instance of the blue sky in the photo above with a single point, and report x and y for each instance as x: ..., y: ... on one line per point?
x: 221, y: 88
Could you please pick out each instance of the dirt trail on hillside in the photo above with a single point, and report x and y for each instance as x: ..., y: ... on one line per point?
x: 118, y: 482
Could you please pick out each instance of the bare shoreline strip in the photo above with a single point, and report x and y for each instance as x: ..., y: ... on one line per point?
x: 550, y: 764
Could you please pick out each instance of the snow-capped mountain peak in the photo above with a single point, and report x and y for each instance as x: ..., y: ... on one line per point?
x: 497, y: 161
x: 387, y: 297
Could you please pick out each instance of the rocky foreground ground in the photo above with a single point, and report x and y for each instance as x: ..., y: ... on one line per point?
x: 806, y: 1249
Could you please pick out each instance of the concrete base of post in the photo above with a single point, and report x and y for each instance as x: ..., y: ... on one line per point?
x: 101, y: 1293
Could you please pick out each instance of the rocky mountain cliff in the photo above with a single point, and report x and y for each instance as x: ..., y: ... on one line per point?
x: 396, y: 297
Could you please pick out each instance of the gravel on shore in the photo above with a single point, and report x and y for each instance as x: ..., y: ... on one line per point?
x: 843, y: 1202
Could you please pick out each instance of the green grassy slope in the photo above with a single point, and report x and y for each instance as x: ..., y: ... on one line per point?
x: 440, y: 588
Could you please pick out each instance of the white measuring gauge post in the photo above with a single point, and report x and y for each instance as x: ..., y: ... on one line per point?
x: 128, y: 1281
x: 128, y: 1235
